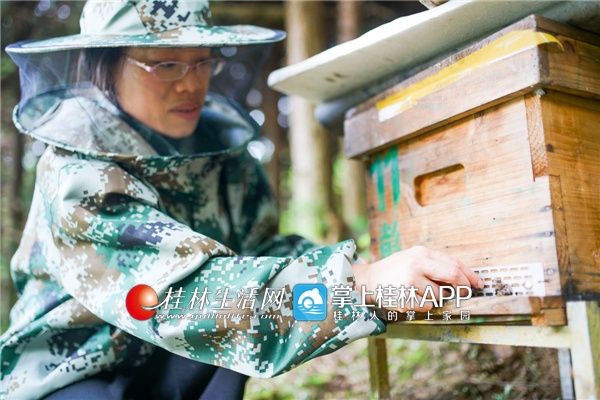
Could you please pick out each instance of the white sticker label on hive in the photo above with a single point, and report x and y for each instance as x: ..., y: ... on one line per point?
x: 512, y: 280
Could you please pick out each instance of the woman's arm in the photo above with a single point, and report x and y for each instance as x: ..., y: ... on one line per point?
x: 95, y: 232
x: 419, y: 267
x: 111, y: 236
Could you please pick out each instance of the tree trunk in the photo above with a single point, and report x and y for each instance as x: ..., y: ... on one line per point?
x: 310, y: 151
x: 354, y: 201
x: 17, y: 24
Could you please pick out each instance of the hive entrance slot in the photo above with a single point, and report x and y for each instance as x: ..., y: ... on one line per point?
x: 512, y: 280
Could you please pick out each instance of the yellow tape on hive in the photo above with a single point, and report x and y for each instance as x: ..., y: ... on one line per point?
x: 508, y: 45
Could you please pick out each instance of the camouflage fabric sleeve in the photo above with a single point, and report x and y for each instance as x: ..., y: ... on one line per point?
x: 133, y: 243
x: 257, y: 213
x: 108, y: 236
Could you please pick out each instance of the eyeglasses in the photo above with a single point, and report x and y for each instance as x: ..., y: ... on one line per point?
x: 173, y: 70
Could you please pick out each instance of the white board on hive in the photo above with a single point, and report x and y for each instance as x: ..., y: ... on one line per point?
x: 361, y: 66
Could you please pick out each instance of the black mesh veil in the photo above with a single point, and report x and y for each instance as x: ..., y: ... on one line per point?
x: 244, y: 63
x: 47, y: 79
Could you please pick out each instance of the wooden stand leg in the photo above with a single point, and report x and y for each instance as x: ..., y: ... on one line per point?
x: 580, y: 337
x: 380, y: 387
x: 584, y: 324
x: 566, y: 374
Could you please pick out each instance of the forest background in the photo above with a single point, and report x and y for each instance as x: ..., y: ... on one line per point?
x: 321, y: 195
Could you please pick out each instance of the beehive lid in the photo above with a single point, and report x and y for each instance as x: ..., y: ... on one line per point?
x: 417, y: 40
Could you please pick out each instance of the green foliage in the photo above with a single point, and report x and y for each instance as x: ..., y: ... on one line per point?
x: 340, y: 171
x: 505, y: 395
x: 7, y: 67
x: 285, y: 217
x: 21, y: 20
x: 363, y: 243
x: 6, y: 286
x: 420, y: 370
x: 343, y: 375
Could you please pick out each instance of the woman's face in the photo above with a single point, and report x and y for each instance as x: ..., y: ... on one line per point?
x: 171, y: 108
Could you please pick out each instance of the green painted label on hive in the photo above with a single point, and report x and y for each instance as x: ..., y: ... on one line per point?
x: 378, y: 167
x: 389, y: 240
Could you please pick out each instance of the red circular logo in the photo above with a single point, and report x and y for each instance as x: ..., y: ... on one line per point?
x: 141, y: 296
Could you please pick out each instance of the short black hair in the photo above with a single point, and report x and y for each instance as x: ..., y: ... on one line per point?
x: 99, y: 66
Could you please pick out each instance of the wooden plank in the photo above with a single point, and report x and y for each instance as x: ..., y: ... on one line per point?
x: 533, y: 22
x: 543, y: 315
x: 566, y: 374
x: 580, y: 334
x: 535, y: 128
x: 479, y: 228
x: 552, y: 302
x: 486, y: 306
x: 543, y: 24
x: 562, y: 241
x: 511, y: 77
x: 584, y: 322
x: 550, y: 317
x: 575, y: 69
x: 378, y: 371
x: 489, y: 310
x: 533, y: 336
x: 572, y: 129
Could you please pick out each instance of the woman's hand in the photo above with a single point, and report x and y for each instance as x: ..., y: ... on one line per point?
x: 419, y: 267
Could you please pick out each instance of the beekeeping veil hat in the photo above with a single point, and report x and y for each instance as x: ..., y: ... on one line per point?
x: 150, y: 23
x: 50, y: 70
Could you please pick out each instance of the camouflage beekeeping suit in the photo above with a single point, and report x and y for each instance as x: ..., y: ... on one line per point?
x: 110, y: 213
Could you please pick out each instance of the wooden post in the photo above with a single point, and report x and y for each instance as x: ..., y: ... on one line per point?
x: 566, y: 374
x: 354, y: 200
x: 584, y: 323
x: 309, y: 144
x: 581, y: 336
x: 378, y: 369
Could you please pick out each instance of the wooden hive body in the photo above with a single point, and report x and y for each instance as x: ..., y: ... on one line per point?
x: 495, y: 160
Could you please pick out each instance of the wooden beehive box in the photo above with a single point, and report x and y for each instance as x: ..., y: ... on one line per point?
x: 493, y: 155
